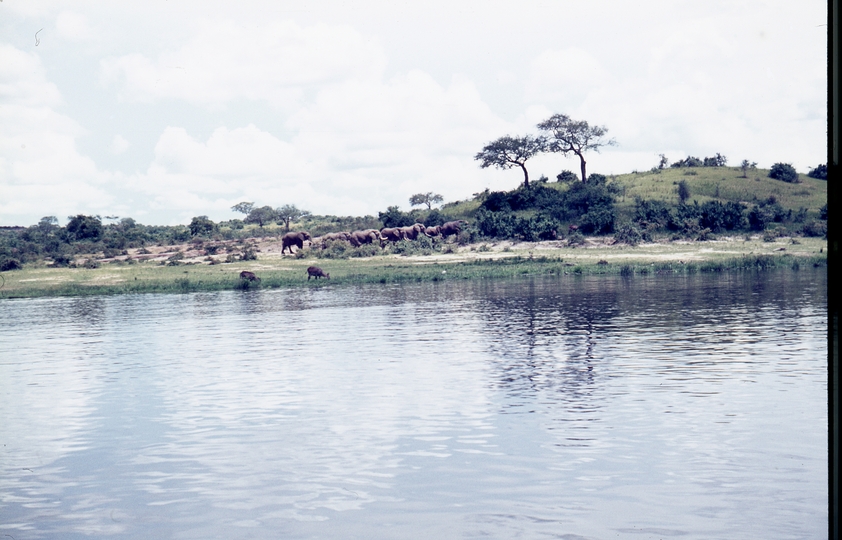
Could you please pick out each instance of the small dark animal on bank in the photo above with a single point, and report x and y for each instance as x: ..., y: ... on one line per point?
x: 245, y: 274
x: 316, y: 272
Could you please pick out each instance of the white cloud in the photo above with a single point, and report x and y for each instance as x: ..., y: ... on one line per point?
x: 416, y: 138
x: 564, y: 77
x: 119, y: 145
x: 276, y: 62
x: 41, y: 171
x: 23, y: 82
x: 736, y: 83
x: 312, y: 111
x: 73, y: 26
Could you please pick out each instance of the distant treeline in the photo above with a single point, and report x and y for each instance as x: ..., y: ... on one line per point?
x: 568, y: 209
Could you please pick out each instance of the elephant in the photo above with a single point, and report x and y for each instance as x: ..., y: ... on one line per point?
x: 316, y: 272
x: 411, y: 233
x: 294, y: 239
x: 432, y: 232
x: 452, y: 227
x: 333, y: 237
x: 368, y: 236
x: 391, y: 234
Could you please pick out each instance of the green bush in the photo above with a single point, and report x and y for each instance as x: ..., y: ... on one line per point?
x: 536, y: 228
x: 819, y: 172
x: 683, y: 191
x: 333, y: 249
x: 719, y: 217
x: 62, y: 261
x: 249, y: 253
x: 652, y: 213
x: 434, y: 218
x: 9, y: 264
x: 628, y: 233
x: 815, y: 229
x: 576, y: 239
x: 567, y: 177
x: 495, y: 224
x: 716, y: 161
x: 599, y: 220
x: 765, y: 213
x: 393, y: 217
x: 784, y: 172
x: 366, y: 250
x: 689, y: 161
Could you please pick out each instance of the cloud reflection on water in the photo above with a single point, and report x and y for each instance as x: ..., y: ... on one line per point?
x: 530, y: 406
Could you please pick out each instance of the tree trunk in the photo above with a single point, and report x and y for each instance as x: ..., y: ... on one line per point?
x: 582, y: 158
x: 525, y: 175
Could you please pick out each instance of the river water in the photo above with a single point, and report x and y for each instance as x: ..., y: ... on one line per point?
x: 566, y: 407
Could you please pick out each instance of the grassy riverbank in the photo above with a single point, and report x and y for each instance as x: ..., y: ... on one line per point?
x: 479, y: 261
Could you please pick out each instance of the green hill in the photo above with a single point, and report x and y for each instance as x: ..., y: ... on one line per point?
x: 723, y: 184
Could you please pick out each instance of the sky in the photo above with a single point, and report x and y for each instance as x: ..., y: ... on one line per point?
x: 164, y: 110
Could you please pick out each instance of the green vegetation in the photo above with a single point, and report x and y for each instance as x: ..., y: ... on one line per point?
x: 784, y: 172
x: 691, y: 200
x: 479, y: 262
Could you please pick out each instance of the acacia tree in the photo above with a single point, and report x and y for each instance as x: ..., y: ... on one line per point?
x: 243, y: 207
x: 289, y: 212
x: 428, y: 198
x: 568, y: 135
x: 261, y: 216
x: 506, y: 152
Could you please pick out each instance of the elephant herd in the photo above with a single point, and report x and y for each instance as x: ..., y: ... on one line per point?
x: 369, y: 236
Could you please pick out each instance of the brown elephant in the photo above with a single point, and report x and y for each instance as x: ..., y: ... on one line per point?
x: 411, y: 233
x: 333, y: 237
x: 391, y: 234
x: 294, y: 239
x: 432, y: 232
x: 368, y: 236
x: 452, y: 227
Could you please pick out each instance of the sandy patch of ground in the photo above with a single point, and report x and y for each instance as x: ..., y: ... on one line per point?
x: 43, y: 279
x: 594, y: 248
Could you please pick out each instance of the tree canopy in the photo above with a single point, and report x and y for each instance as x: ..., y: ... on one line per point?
x: 288, y: 213
x: 83, y: 227
x: 243, y: 207
x: 506, y: 152
x: 261, y: 216
x: 577, y: 136
x: 202, y: 226
x: 428, y: 198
